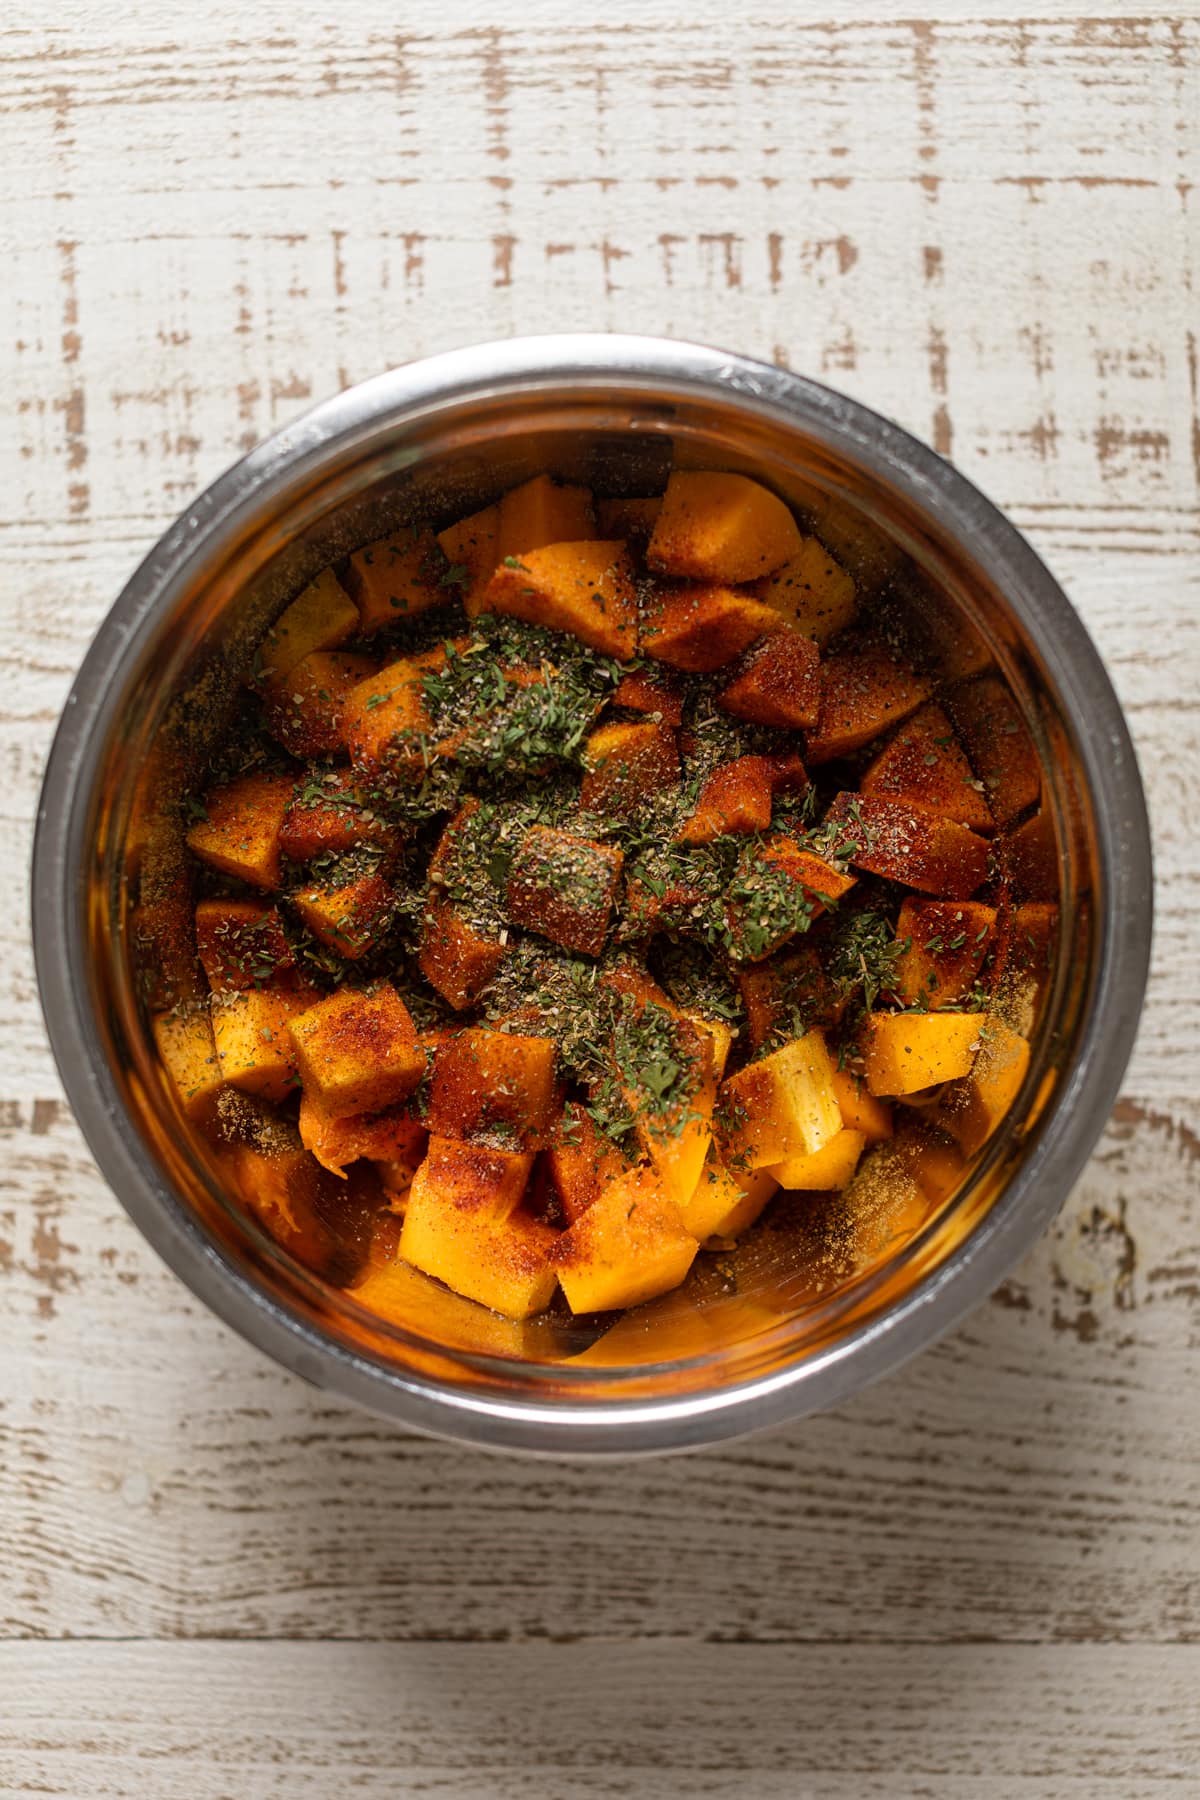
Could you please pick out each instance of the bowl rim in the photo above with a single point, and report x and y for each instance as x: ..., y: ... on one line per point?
x: 884, y: 452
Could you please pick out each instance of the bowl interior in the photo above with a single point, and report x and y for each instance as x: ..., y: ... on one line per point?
x: 812, y: 1274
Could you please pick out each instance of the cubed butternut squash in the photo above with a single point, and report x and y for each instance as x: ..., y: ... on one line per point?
x: 541, y: 512
x: 320, y: 618
x: 786, y: 995
x: 496, y: 1087
x: 392, y: 1136
x: 905, y: 1052
x: 777, y: 682
x: 974, y: 1107
x: 723, y: 1203
x: 777, y: 890
x: 700, y: 629
x: 457, y: 956
x: 627, y: 765
x: 188, y: 1052
x: 383, y: 718
x: 357, y: 1050
x: 396, y: 577
x: 581, y: 1161
x: 888, y: 838
x: 924, y: 766
x: 254, y: 1048
x: 1029, y: 858
x: 584, y: 588
x: 564, y: 888
x: 462, y: 1226
x: 629, y: 1245
x: 826, y: 1170
x: 332, y: 814
x: 654, y: 690
x: 812, y: 592
x: 348, y: 915
x: 715, y: 526
x: 239, y: 834
x: 866, y: 686
x: 998, y: 744
x: 738, y: 796
x: 783, y: 1105
x: 303, y: 708
x: 947, y: 941
x: 325, y: 1224
x: 861, y: 1111
x: 470, y: 551
x: 241, y: 943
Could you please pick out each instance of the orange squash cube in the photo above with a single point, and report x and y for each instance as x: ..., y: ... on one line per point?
x: 332, y: 814
x: 320, y: 618
x: 254, y: 1049
x: 541, y: 512
x: 629, y: 1245
x: 783, y: 1105
x: 188, y: 1053
x: 494, y: 1086
x: 777, y: 890
x: 357, y: 1050
x: 655, y: 691
x: 325, y: 1224
x: 861, y: 1111
x: 462, y: 1226
x: 947, y: 942
x: 470, y: 551
x: 633, y: 519
x: 738, y: 796
x: 1024, y: 956
x: 564, y: 887
x: 396, y: 577
x: 239, y: 834
x: 347, y: 916
x: 787, y: 995
x: 626, y: 766
x: 241, y: 943
x: 675, y: 1128
x: 581, y: 1160
x: 823, y: 1171
x: 906, y: 1052
x: 998, y: 744
x: 383, y: 717
x: 455, y: 957
x: 812, y: 592
x: 865, y: 688
x: 714, y: 526
x: 924, y: 766
x: 888, y: 838
x: 303, y: 709
x: 702, y: 628
x: 584, y: 588
x: 974, y: 1107
x: 777, y: 682
x: 724, y: 1204
x: 392, y: 1136
x: 1029, y: 859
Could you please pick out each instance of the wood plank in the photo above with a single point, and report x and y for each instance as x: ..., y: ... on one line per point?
x: 504, y: 1722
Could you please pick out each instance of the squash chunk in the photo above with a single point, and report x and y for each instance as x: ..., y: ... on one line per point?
x: 888, y: 838
x: 812, y: 592
x: 303, y: 709
x: 738, y: 796
x: 664, y: 1064
x: 777, y: 890
x: 254, y: 1048
x: 721, y: 527
x: 629, y: 1245
x: 331, y: 815
x: 494, y: 1086
x: 780, y: 1106
x: 396, y: 577
x: 723, y: 1204
x: 787, y: 995
x: 778, y: 682
x: 357, y: 1050
x: 633, y: 519
x: 1024, y: 956
x: 320, y: 618
x: 581, y: 1161
x: 626, y: 766
x: 383, y: 717
x: 241, y: 943
x: 470, y: 551
x: 240, y: 833
x: 1029, y: 857
x: 584, y: 588
x: 861, y: 1111
x: 564, y: 887
x: 924, y: 766
x: 825, y: 1171
x: 189, y: 1055
x: 865, y: 688
x: 462, y: 1227
x: 906, y: 1052
x: 656, y: 691
x: 335, y: 1139
x: 456, y: 957
x: 702, y: 628
x: 348, y: 917
x: 974, y: 1107
x: 948, y: 940
x: 998, y: 744
x: 326, y: 1225
x: 540, y: 512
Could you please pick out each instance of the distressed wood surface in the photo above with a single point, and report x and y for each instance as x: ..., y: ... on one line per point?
x: 980, y: 1577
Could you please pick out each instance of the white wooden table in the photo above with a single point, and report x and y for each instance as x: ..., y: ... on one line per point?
x: 982, y: 1577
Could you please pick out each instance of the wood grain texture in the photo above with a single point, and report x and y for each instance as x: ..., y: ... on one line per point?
x: 979, y: 1578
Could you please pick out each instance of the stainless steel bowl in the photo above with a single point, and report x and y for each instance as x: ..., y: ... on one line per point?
x: 441, y: 435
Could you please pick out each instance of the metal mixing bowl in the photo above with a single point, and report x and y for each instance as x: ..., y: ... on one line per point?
x: 437, y: 437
